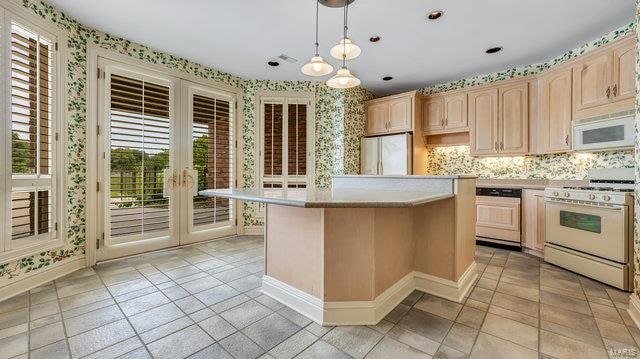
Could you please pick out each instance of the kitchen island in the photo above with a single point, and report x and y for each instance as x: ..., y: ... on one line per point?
x: 350, y: 254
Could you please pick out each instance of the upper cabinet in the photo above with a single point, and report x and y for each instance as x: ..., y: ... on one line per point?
x: 392, y: 114
x: 554, y: 111
x: 499, y: 118
x: 445, y: 114
x: 604, y: 81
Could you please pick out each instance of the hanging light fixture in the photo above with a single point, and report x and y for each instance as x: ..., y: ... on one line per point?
x: 345, y: 48
x: 343, y: 79
x: 317, y: 66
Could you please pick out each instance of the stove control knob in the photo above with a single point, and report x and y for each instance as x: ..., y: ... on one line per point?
x: 556, y: 194
x: 606, y: 197
x: 567, y: 194
x: 592, y: 196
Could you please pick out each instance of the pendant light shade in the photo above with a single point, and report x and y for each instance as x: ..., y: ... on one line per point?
x: 317, y: 67
x: 343, y: 79
x: 347, y: 49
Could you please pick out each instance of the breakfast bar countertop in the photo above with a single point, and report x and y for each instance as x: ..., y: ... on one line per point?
x: 327, y: 198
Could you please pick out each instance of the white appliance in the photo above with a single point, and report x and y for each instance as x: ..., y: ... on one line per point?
x: 589, y: 230
x: 607, y: 132
x: 386, y: 155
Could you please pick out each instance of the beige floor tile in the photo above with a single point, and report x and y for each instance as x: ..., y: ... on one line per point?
x: 562, y: 301
x: 605, y: 312
x: 615, y: 331
x: 532, y: 294
x: 410, y: 338
x: 518, y: 317
x: 356, y: 341
x: 511, y: 330
x: 481, y: 295
x: 389, y: 348
x: 589, y: 337
x: 489, y: 347
x: 438, y: 306
x: 565, y: 348
x: 461, y: 338
x: 471, y: 317
x: 568, y: 318
x: 516, y: 304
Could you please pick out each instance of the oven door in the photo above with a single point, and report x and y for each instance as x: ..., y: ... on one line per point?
x: 597, y: 230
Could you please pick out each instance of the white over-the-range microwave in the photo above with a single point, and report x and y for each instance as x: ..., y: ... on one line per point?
x: 607, y: 132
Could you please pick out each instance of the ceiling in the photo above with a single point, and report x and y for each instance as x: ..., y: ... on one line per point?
x: 239, y: 37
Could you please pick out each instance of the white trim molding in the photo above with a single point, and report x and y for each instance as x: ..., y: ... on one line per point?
x: 253, y: 230
x: 368, y: 312
x: 54, y: 271
x: 634, y: 309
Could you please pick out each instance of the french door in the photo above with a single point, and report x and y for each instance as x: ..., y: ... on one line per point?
x: 161, y: 140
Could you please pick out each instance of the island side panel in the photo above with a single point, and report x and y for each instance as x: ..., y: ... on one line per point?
x: 465, y: 199
x: 294, y: 247
x: 434, y: 232
x: 394, y: 246
x: 349, y: 254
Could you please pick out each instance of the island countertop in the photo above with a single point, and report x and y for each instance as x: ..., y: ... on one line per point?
x: 327, y: 198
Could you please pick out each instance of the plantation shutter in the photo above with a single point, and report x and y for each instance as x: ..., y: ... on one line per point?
x: 297, y: 146
x: 32, y: 134
x: 139, y: 122
x: 212, y: 157
x: 273, y: 145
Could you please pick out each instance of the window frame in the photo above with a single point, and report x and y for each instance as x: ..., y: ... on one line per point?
x: 11, y: 249
x: 286, y: 98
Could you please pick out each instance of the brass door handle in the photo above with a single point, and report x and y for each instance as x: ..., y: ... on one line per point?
x: 174, y: 179
x: 187, y: 179
x: 615, y: 90
x: 608, y: 92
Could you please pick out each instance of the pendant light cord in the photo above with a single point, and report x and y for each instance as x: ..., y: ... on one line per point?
x: 317, y: 53
x: 344, y: 37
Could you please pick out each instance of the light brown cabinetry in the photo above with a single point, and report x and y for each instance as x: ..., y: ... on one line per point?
x: 533, y: 217
x: 498, y: 218
x: 445, y: 114
x: 499, y: 118
x: 604, y: 81
x: 393, y: 114
x: 554, y: 111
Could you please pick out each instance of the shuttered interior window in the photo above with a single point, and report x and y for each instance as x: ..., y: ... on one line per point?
x: 284, y: 145
x: 212, y: 157
x: 139, y: 123
x: 32, y: 148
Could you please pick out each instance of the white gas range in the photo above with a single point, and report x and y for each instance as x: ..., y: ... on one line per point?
x: 589, y: 230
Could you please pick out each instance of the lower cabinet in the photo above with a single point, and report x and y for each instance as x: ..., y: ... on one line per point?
x: 498, y: 218
x: 533, y: 216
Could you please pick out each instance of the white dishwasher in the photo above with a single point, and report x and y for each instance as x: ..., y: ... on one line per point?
x: 498, y: 215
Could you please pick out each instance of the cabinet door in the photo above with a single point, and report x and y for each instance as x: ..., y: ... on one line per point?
x: 555, y: 111
x: 513, y: 119
x: 591, y: 81
x: 533, y: 214
x: 400, y: 114
x: 377, y: 117
x: 483, y: 117
x: 624, y: 62
x: 455, y: 111
x: 433, y: 114
x: 498, y: 218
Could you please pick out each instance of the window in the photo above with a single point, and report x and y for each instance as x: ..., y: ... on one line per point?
x: 31, y: 216
x: 286, y: 137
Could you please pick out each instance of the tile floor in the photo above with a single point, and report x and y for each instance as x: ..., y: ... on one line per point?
x: 204, y: 301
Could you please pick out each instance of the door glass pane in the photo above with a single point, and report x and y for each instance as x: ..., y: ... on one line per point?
x: 581, y: 221
x: 273, y: 127
x: 139, y: 139
x: 212, y: 151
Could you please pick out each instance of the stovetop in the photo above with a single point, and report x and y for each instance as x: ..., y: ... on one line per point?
x: 601, y: 189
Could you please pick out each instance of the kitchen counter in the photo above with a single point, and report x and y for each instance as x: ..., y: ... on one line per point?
x: 326, y: 198
x: 349, y: 255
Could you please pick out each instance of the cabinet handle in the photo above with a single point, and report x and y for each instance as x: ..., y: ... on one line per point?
x: 566, y: 140
x: 615, y: 90
x: 501, y: 145
x: 608, y: 92
x: 496, y: 145
x: 446, y: 121
x: 442, y: 122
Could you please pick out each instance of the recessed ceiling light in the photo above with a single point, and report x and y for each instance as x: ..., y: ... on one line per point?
x: 493, y: 50
x: 387, y: 78
x: 273, y: 63
x: 434, y: 15
x: 374, y: 38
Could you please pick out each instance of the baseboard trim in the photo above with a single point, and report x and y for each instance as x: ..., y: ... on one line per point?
x: 368, y: 312
x: 52, y: 272
x: 634, y: 309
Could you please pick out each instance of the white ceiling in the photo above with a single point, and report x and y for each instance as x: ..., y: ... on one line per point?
x: 240, y: 36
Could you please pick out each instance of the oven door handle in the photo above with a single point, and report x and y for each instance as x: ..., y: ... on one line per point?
x: 614, y: 208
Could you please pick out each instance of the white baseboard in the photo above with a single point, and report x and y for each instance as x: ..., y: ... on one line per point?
x: 41, y: 277
x: 634, y: 309
x: 254, y: 230
x: 367, y: 312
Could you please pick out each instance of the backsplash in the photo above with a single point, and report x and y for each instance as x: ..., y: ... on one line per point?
x: 567, y: 166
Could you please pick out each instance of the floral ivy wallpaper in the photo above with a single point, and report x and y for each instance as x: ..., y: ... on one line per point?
x: 456, y: 160
x: 636, y: 246
x: 333, y: 115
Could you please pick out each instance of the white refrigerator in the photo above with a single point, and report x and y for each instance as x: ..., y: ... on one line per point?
x: 386, y: 155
